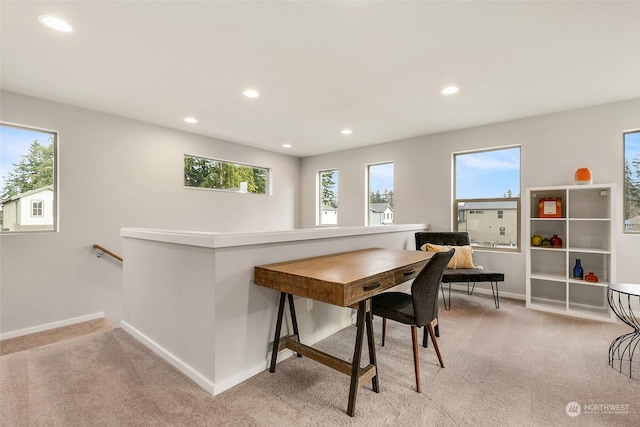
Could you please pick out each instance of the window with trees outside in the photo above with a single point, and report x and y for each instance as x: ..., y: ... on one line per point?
x: 28, y: 196
x: 201, y: 172
x: 487, y: 197
x: 632, y: 182
x: 380, y: 194
x: 328, y: 200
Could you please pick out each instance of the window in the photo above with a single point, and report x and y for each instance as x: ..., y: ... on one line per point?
x: 380, y: 194
x: 200, y: 172
x: 328, y: 197
x: 632, y: 182
x: 37, y: 208
x: 27, y: 179
x: 487, y: 197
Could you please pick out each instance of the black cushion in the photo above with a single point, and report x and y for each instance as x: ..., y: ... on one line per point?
x: 470, y: 275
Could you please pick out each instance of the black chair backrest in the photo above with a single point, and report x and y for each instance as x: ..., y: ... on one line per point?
x: 450, y: 238
x: 424, y: 290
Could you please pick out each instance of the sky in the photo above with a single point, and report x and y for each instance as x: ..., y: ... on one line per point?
x: 631, y: 145
x: 381, y: 177
x: 488, y: 174
x: 13, y: 143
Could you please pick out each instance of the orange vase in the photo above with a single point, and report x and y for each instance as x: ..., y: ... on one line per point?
x: 591, y: 277
x: 583, y: 176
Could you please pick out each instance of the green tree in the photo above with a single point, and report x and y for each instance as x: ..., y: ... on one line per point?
x: 385, y: 197
x: 329, y: 197
x: 632, y: 187
x: 260, y: 180
x: 33, y: 170
x: 196, y: 171
x: 389, y: 197
x: 206, y: 173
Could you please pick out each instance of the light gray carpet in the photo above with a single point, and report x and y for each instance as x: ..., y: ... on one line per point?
x: 506, y: 367
x: 51, y: 336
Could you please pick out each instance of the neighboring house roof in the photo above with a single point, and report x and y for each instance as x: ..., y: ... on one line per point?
x: 634, y: 220
x: 507, y: 204
x: 328, y: 208
x: 379, y: 207
x: 27, y: 193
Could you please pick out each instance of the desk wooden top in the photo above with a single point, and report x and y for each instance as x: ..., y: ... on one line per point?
x: 345, y: 278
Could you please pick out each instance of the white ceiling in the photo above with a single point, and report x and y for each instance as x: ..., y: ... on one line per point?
x: 374, y: 67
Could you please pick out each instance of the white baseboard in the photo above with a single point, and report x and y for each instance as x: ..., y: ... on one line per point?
x: 49, y: 326
x: 170, y: 358
x: 233, y: 380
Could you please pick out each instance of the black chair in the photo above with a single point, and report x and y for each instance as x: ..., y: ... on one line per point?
x: 418, y: 309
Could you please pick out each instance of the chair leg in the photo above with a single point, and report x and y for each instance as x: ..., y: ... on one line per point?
x: 435, y: 344
x: 384, y: 329
x: 416, y: 361
x: 425, y: 334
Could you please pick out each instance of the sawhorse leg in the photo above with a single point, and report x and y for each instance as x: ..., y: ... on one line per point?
x: 276, y: 338
x: 364, y: 317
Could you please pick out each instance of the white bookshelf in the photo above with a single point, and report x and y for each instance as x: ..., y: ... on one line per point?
x: 586, y: 227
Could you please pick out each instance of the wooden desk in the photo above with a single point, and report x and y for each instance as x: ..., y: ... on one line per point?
x: 346, y: 279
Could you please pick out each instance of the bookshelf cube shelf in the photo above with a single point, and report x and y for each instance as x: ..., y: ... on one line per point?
x: 586, y: 229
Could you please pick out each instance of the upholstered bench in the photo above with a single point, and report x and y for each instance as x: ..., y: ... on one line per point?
x: 436, y: 241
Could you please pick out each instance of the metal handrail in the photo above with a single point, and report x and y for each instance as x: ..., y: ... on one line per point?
x: 102, y: 251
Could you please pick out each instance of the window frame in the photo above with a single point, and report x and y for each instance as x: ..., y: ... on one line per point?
x: 319, y: 204
x: 367, y: 195
x: 40, y: 208
x: 227, y: 190
x: 55, y: 206
x: 635, y: 182
x: 456, y: 212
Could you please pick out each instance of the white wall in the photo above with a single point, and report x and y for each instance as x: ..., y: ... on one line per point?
x: 116, y: 173
x: 553, y: 147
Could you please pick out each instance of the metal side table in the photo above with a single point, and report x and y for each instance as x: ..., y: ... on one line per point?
x: 624, y: 300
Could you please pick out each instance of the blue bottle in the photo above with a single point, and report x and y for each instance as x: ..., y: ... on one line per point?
x: 578, y: 273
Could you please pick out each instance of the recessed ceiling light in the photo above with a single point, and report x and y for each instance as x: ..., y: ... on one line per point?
x: 190, y: 120
x: 450, y: 90
x: 55, y: 23
x: 286, y: 145
x: 251, y: 93
x: 346, y: 131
